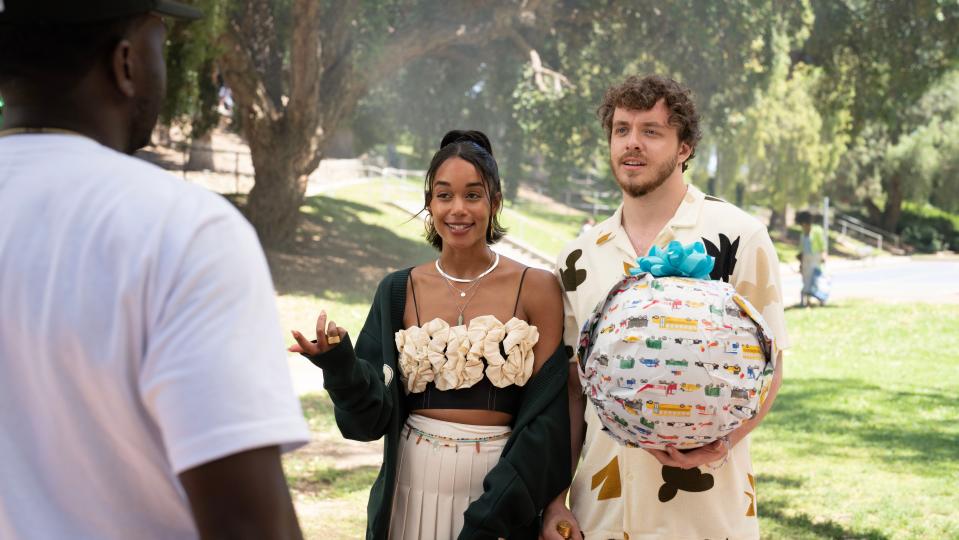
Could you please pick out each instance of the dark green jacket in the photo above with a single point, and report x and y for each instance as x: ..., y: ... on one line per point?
x: 535, y: 464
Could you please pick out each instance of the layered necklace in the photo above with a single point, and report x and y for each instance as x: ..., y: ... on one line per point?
x: 471, y: 290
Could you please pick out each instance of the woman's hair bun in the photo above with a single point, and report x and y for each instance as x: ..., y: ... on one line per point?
x: 476, y: 137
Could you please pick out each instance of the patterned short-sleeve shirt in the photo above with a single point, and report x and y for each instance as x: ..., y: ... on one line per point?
x: 622, y: 491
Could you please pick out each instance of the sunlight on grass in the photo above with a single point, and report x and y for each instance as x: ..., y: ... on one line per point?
x: 863, y: 441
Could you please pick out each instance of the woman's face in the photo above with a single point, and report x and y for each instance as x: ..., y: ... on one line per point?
x: 460, y: 204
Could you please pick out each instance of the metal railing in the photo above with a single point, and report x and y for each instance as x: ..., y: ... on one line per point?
x: 848, y: 224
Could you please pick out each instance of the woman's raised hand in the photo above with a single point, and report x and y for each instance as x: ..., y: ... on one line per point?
x: 328, y: 335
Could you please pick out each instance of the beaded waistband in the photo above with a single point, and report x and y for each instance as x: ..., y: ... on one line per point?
x: 453, y: 442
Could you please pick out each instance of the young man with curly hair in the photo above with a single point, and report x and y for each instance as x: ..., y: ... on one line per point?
x: 653, y: 128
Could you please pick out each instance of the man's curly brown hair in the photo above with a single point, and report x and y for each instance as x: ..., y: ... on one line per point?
x: 642, y: 93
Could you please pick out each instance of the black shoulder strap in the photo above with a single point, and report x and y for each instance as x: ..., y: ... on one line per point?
x: 519, y: 290
x: 416, y: 307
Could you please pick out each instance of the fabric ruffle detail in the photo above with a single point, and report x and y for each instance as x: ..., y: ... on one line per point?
x: 414, y: 362
x: 452, y: 356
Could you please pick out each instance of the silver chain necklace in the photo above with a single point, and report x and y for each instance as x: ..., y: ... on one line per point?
x: 461, y: 280
x: 475, y: 288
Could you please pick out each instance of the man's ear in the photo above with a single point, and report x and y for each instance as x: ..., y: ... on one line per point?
x: 684, y: 151
x: 122, y: 68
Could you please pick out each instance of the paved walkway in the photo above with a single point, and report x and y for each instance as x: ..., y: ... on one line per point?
x: 884, y: 279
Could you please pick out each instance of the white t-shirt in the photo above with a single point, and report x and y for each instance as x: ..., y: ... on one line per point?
x: 138, y: 339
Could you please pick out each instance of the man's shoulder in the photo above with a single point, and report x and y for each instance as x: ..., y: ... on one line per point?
x: 155, y: 191
x: 724, y: 217
x: 590, y: 238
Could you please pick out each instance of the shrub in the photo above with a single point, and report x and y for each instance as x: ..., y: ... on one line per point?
x: 928, y: 228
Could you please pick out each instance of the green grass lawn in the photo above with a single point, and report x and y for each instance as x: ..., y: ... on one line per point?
x: 540, y: 227
x: 863, y: 441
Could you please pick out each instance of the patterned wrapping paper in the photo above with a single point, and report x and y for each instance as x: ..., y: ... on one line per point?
x: 673, y: 361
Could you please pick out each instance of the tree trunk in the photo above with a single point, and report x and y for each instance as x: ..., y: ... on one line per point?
x: 777, y: 221
x: 273, y: 206
x: 893, y: 208
x: 288, y: 115
x: 201, y: 154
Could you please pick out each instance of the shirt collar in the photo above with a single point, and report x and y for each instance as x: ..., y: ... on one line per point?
x: 686, y: 216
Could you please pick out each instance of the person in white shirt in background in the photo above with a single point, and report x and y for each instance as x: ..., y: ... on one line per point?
x: 144, y: 391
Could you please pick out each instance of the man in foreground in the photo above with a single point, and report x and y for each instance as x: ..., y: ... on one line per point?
x: 620, y: 492
x: 144, y: 391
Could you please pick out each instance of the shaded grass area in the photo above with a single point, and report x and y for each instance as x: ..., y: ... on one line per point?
x: 344, y: 247
x: 330, y: 481
x: 541, y: 227
x: 863, y: 441
x: 347, y: 242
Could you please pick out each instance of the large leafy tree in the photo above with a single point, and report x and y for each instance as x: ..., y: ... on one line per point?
x: 191, y: 90
x: 719, y: 49
x: 298, y: 69
x: 887, y: 54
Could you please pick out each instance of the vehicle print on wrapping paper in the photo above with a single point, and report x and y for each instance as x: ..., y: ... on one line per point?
x: 631, y: 407
x: 624, y: 425
x: 641, y: 321
x: 711, y: 366
x: 663, y: 388
x: 753, y: 352
x: 668, y: 409
x: 712, y: 390
x: 678, y: 324
x: 733, y: 368
x: 693, y: 342
x: 736, y: 312
x: 709, y: 410
x: 742, y: 411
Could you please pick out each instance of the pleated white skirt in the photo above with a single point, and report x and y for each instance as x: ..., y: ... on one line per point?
x: 441, y: 467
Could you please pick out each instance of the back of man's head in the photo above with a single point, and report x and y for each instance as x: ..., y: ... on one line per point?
x: 72, y: 58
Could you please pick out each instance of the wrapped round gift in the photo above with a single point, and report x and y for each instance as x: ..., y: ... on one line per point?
x: 674, y: 361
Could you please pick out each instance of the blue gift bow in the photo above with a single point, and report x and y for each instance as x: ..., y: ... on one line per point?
x: 676, y: 260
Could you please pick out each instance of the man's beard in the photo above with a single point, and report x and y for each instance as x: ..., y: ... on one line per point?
x: 660, y: 175
x: 145, y: 113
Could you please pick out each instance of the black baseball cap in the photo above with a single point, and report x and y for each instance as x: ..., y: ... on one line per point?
x: 68, y: 12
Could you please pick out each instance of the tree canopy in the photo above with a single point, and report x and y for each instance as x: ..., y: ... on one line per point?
x: 851, y: 98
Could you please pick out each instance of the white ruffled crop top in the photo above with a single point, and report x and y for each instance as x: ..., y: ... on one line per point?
x: 452, y: 357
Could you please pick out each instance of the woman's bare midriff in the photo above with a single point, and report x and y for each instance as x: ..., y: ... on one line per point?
x: 476, y: 417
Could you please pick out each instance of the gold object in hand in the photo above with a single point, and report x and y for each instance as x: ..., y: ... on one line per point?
x: 565, y: 529
x: 333, y: 339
